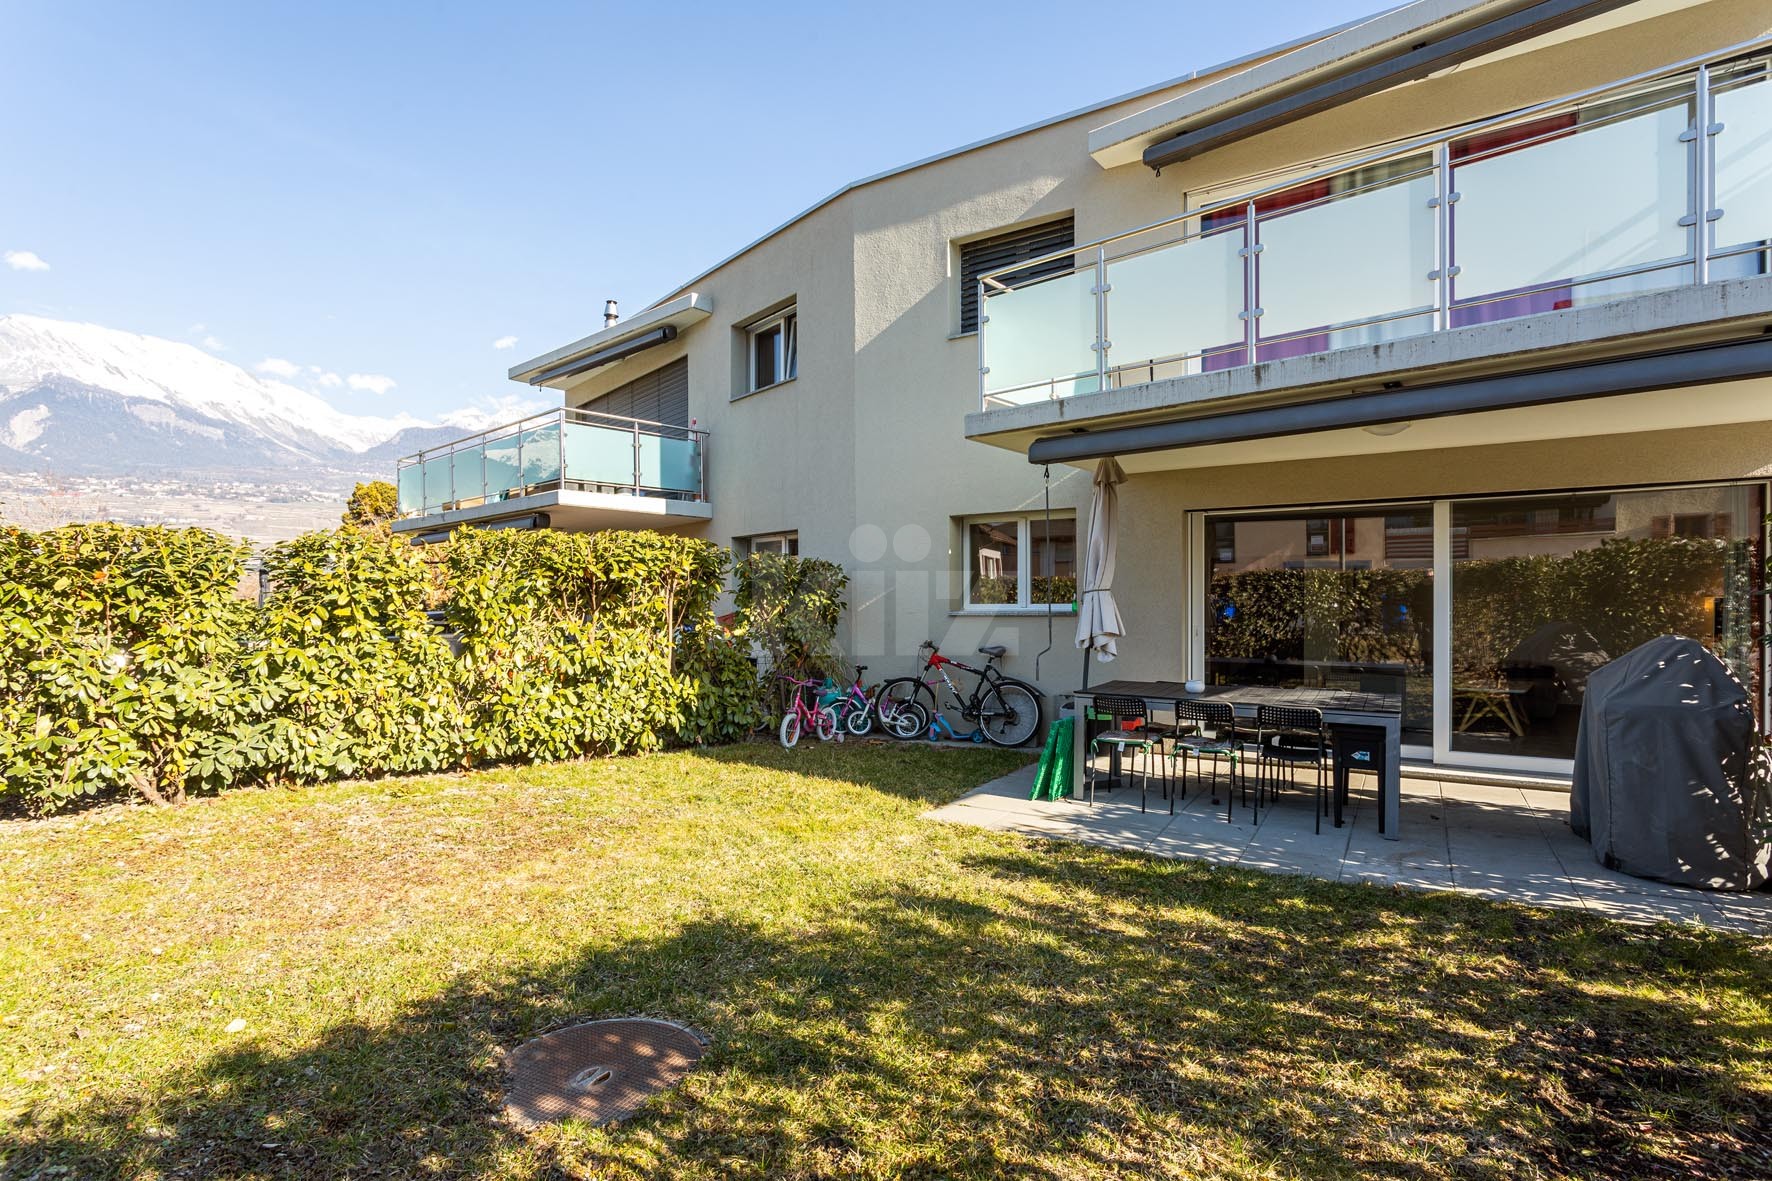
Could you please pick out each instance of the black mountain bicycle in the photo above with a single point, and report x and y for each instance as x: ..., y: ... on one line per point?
x: 1005, y: 709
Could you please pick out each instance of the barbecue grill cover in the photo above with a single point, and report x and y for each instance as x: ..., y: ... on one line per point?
x: 1666, y: 783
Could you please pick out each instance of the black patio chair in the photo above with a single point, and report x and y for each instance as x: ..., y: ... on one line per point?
x: 1129, y: 732
x: 1291, y: 736
x: 1208, y: 728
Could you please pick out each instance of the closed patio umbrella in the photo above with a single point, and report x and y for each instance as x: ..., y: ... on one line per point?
x: 1098, y: 619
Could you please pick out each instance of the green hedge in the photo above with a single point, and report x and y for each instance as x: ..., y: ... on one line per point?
x: 132, y: 663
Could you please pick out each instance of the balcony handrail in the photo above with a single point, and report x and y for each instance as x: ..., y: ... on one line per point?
x: 562, y: 414
x: 1403, y: 148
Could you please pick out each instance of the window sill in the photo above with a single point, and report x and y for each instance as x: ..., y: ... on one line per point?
x: 1065, y: 611
x: 963, y: 335
x: 763, y: 389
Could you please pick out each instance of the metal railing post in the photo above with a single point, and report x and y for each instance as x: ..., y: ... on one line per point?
x: 1251, y: 312
x: 636, y: 459
x: 522, y: 472
x: 560, y: 416
x: 1704, y: 130
x: 978, y: 330
x: 1442, y: 206
x: 1102, y: 344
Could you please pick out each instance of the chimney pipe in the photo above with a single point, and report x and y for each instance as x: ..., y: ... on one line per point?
x: 610, y: 315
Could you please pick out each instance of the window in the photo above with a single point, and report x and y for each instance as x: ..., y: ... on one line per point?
x: 1001, y: 250
x: 768, y: 543
x: 1020, y: 562
x: 774, y: 350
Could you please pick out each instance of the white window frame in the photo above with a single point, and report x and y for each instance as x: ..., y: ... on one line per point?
x: 773, y: 543
x: 786, y: 346
x: 1028, y: 525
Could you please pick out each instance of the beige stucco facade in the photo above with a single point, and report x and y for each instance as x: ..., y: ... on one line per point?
x: 868, y: 454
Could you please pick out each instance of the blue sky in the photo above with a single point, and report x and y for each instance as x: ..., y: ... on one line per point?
x: 385, y: 190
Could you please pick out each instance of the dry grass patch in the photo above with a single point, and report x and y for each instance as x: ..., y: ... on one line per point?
x: 321, y: 984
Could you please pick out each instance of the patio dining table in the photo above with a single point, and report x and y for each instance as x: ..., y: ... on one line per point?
x: 1342, y: 709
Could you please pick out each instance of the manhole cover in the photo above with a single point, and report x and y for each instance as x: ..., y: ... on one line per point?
x: 600, y: 1070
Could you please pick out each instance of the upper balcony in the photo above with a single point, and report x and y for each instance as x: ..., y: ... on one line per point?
x: 1652, y: 183
x: 573, y: 469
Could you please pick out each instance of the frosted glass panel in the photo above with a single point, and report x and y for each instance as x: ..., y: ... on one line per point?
x: 468, y: 465
x: 599, y: 454
x: 502, y: 474
x: 541, y: 454
x: 1744, y: 164
x: 1040, y: 336
x: 411, y: 483
x: 674, y: 464
x: 1177, y: 301
x: 438, y: 488
x: 1604, y: 198
x: 1359, y: 257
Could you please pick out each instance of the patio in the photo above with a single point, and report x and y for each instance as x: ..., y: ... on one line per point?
x: 1509, y: 843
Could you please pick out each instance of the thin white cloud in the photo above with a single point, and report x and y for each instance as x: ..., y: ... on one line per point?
x: 214, y: 345
x: 24, y: 260
x: 373, y: 383
x: 278, y: 367
x: 505, y: 342
x: 330, y: 381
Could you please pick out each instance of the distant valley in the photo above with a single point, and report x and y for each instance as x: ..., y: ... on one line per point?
x: 97, y: 423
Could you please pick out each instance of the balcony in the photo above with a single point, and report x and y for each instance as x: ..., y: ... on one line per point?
x: 1651, y: 183
x: 572, y: 469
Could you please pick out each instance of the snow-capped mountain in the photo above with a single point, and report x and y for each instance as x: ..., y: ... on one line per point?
x: 83, y: 399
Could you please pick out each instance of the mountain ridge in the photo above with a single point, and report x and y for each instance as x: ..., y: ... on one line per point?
x: 79, y: 398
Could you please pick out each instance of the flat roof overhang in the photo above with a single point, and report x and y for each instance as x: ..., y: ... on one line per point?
x: 571, y: 510
x: 652, y: 327
x: 1711, y: 385
x: 1358, y: 78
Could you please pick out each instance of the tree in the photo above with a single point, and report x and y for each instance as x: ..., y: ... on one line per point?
x: 371, y: 504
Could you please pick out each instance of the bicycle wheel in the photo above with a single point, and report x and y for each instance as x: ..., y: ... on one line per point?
x: 910, y: 720
x: 825, y: 723
x: 790, y: 729
x: 895, y: 696
x: 1009, y: 715
x: 859, y: 721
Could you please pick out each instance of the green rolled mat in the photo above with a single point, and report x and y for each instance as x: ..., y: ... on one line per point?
x: 1060, y: 787
x: 1043, y: 773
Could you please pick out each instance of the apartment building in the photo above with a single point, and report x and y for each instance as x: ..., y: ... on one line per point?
x: 1435, y: 347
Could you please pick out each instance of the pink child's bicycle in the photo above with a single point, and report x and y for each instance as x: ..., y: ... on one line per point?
x: 802, y: 715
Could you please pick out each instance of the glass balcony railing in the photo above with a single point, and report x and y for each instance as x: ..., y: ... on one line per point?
x: 1648, y: 183
x: 559, y: 449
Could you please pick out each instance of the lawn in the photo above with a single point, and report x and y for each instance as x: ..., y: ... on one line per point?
x: 319, y: 983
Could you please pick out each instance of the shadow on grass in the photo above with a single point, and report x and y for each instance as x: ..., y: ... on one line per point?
x: 1051, y: 1012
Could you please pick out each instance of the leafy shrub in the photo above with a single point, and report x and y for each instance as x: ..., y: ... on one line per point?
x: 352, y: 674
x: 791, y: 607
x: 724, y: 701
x: 120, y: 665
x: 566, y: 638
x: 128, y: 662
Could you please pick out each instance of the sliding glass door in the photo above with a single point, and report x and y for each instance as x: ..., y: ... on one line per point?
x: 1488, y: 615
x: 1341, y: 599
x: 1546, y: 590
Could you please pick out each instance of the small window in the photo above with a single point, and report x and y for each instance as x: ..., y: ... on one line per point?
x: 787, y: 544
x: 1021, y: 562
x: 774, y: 350
x: 1224, y: 541
x: 1001, y: 250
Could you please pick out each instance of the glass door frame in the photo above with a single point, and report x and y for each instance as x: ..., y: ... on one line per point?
x: 1196, y: 536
